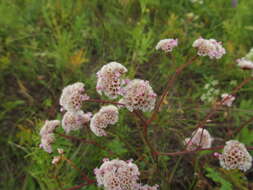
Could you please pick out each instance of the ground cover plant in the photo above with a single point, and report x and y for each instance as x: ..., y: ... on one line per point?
x: 138, y: 112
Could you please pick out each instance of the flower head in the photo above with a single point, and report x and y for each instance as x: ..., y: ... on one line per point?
x: 46, y: 141
x: 146, y: 187
x: 117, y: 175
x: 56, y: 159
x: 235, y: 156
x: 227, y: 99
x: 106, y: 115
x: 200, y: 139
x: 74, y: 121
x: 109, y: 79
x: 47, y: 136
x: 138, y: 95
x: 49, y: 127
x: 245, y: 64
x: 210, y: 48
x: 72, y: 97
x: 167, y: 45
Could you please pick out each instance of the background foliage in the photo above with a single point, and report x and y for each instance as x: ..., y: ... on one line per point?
x: 47, y: 44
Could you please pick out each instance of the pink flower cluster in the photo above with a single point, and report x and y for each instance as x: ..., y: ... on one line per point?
x: 138, y: 95
x: 167, y: 45
x: 227, y: 99
x: 72, y: 97
x: 200, y: 139
x: 74, y: 121
x: 245, y: 64
x: 109, y: 79
x: 235, y: 156
x: 210, y: 48
x: 47, y: 135
x: 106, y: 115
x: 119, y: 175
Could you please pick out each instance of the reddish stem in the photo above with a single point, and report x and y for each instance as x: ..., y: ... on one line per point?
x: 85, y: 141
x: 242, y: 126
x: 219, y: 104
x: 193, y: 151
x: 169, y: 85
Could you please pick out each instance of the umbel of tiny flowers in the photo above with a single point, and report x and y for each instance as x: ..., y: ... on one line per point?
x: 109, y: 79
x: 245, y: 64
x: 235, y: 156
x: 166, y: 45
x: 72, y: 97
x: 197, y: 1
x: 200, y: 139
x: 138, y: 95
x: 58, y: 158
x: 73, y: 121
x: 210, y: 48
x: 227, y: 99
x: 106, y: 115
x: 47, y: 135
x: 120, y: 175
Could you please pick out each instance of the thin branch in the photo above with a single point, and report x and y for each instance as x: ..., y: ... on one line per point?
x: 73, y: 138
x: 194, y: 151
x: 242, y: 126
x: 219, y: 104
x: 169, y: 85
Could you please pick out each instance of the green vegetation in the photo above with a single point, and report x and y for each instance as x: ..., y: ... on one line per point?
x: 48, y: 44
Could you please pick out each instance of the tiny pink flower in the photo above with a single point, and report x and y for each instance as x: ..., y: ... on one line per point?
x: 167, y: 45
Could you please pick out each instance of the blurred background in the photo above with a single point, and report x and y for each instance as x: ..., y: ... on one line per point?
x: 48, y: 44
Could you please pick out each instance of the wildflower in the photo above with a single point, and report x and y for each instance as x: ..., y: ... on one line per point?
x: 146, y: 187
x: 117, y: 175
x: 245, y: 64
x: 46, y: 141
x: 227, y: 99
x: 197, y: 1
x: 60, y: 150
x: 210, y: 48
x: 138, y: 95
x: 235, y: 156
x: 106, y: 115
x: 56, y: 159
x: 49, y: 127
x: 200, y: 139
x: 167, y: 45
x: 108, y: 79
x: 47, y: 136
x: 249, y: 55
x: 74, y: 121
x: 72, y: 97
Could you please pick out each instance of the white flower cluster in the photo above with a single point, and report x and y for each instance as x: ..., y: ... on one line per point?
x: 167, y: 45
x: 106, y: 115
x: 58, y: 158
x: 47, y: 135
x: 249, y: 55
x: 73, y: 121
x: 146, y: 187
x: 200, y: 139
x: 197, y: 1
x: 227, y: 99
x: 211, y: 92
x: 109, y: 81
x: 138, y: 95
x: 235, y: 156
x: 72, y: 97
x: 210, y: 48
x: 120, y: 175
x: 245, y: 64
